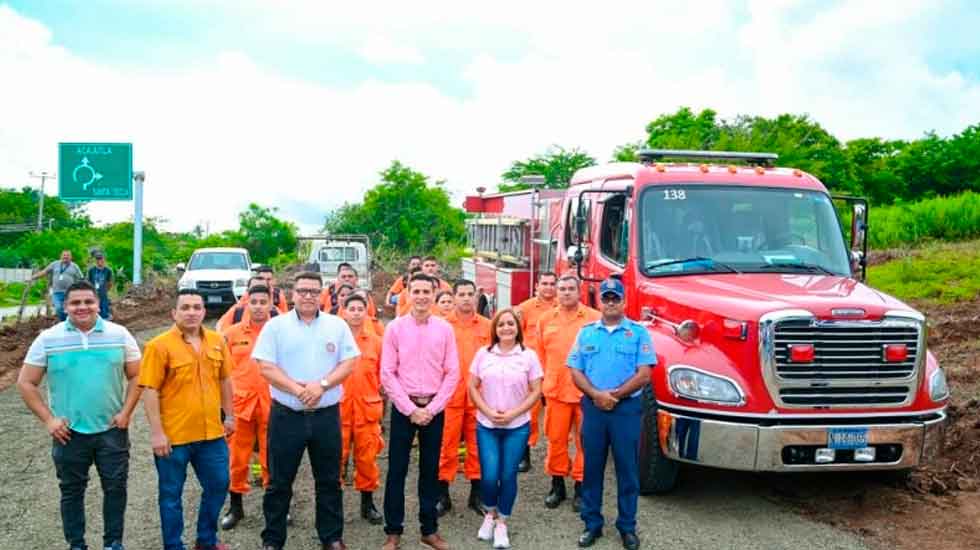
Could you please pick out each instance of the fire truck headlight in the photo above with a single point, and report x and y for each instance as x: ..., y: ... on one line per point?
x: 692, y: 383
x: 938, y: 389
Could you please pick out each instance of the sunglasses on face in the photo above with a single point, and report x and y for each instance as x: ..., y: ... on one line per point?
x: 611, y: 299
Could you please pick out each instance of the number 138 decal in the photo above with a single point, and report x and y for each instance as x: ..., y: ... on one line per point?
x: 674, y: 195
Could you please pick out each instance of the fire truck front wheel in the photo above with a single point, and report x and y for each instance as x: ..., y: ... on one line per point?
x: 658, y: 474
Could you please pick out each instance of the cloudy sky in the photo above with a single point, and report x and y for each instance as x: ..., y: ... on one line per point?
x: 299, y: 104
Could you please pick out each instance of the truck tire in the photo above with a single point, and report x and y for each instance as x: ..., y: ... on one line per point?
x: 658, y: 474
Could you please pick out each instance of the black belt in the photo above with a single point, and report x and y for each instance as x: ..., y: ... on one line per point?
x: 284, y: 408
x: 421, y: 400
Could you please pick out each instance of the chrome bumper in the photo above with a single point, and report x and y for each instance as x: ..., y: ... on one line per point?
x: 744, y: 446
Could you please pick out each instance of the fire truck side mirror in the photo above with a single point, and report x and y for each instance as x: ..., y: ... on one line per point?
x: 577, y: 254
x: 859, y: 238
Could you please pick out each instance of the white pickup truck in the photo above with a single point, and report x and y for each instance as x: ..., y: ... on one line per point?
x: 220, y: 274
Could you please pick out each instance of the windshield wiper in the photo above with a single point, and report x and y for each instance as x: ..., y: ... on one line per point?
x: 802, y: 266
x: 712, y: 264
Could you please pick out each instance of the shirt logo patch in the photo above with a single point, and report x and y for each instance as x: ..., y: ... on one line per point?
x: 629, y: 333
x: 588, y: 349
x: 645, y: 348
x: 331, y: 347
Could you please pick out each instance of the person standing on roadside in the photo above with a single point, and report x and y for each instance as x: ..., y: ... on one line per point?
x: 186, y: 380
x: 414, y: 262
x: 251, y: 402
x: 86, y: 360
x: 557, y: 330
x: 361, y: 408
x: 419, y: 372
x: 63, y: 273
x: 472, y: 332
x: 100, y: 276
x: 610, y: 363
x: 305, y: 355
x: 504, y: 384
x: 530, y: 312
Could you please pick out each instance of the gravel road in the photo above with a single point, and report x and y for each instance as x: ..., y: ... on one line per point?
x: 710, y: 510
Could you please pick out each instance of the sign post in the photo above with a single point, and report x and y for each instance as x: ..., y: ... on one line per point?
x: 138, y: 178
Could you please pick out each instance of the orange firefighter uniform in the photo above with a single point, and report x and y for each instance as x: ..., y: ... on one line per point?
x: 557, y: 331
x: 460, y: 418
x: 530, y: 312
x: 252, y: 402
x: 361, y: 409
x: 327, y: 299
x: 405, y: 302
x: 228, y: 318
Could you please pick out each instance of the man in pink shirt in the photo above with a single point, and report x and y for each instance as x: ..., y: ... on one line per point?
x: 419, y: 372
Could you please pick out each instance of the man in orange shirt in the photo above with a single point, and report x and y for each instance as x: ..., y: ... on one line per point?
x: 186, y: 380
x: 239, y: 312
x: 530, y: 312
x: 276, y: 296
x: 346, y: 275
x: 430, y: 267
x: 252, y: 402
x: 472, y: 332
x: 415, y: 262
x: 361, y: 408
x: 557, y: 330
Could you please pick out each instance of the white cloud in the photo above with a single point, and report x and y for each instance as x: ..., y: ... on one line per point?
x: 226, y: 130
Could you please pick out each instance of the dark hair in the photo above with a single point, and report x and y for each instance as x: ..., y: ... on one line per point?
x: 189, y: 292
x: 264, y: 269
x: 79, y: 285
x: 443, y: 293
x: 348, y: 267
x: 494, y: 339
x: 254, y: 278
x: 569, y: 277
x: 311, y: 275
x: 343, y: 286
x: 259, y: 289
x: 422, y: 277
x: 430, y: 259
x: 544, y: 274
x: 342, y: 265
x: 355, y: 298
x: 415, y: 257
x: 463, y: 282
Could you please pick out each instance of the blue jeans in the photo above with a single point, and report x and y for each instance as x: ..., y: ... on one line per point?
x: 104, y: 306
x: 210, y: 462
x: 620, y: 430
x: 58, y: 301
x: 501, y: 450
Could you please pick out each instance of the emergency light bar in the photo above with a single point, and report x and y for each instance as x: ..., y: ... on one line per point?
x: 755, y: 159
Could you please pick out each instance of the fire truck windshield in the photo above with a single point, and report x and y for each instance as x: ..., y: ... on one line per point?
x: 695, y: 228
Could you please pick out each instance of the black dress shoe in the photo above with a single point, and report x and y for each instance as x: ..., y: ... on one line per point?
x: 444, y: 504
x: 524, y: 465
x: 588, y: 538
x: 631, y: 541
x: 235, y: 512
x: 368, y: 511
x: 557, y: 494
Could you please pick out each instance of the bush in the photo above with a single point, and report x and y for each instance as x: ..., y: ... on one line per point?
x: 940, y: 273
x: 953, y: 218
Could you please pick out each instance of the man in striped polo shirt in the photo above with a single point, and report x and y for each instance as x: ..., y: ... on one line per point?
x: 87, y: 361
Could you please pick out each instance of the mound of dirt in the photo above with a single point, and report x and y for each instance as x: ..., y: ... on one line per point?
x: 958, y: 469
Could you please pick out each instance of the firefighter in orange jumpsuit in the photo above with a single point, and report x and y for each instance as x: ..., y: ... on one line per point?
x: 329, y: 299
x: 251, y: 401
x: 430, y: 266
x: 362, y: 407
x: 415, y: 262
x: 557, y: 331
x: 530, y: 311
x: 239, y: 312
x: 472, y: 332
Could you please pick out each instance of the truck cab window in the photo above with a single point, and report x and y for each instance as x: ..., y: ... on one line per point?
x: 612, y: 243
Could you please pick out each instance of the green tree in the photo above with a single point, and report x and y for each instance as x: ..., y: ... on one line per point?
x: 557, y: 165
x: 684, y: 130
x: 264, y: 235
x: 405, y: 211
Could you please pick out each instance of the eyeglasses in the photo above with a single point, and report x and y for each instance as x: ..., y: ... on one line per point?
x: 308, y: 292
x: 611, y: 299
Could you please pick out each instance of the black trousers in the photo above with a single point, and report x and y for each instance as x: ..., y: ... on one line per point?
x: 290, y: 434
x: 399, y: 452
x: 109, y: 451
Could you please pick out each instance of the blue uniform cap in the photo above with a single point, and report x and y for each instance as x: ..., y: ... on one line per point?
x: 612, y: 286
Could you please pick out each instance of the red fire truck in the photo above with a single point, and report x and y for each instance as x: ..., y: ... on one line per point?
x: 773, y: 355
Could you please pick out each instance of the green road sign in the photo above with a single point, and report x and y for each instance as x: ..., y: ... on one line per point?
x: 95, y: 171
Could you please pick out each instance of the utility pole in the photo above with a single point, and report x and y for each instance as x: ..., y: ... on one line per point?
x: 139, y: 178
x: 43, y: 175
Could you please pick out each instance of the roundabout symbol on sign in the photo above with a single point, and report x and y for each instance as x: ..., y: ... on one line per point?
x: 85, y: 174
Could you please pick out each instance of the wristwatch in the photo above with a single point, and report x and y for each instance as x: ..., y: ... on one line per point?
x: 324, y: 384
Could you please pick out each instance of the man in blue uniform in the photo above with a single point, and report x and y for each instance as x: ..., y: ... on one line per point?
x: 611, y: 362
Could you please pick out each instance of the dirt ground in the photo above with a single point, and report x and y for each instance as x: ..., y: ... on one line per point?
x: 937, y: 507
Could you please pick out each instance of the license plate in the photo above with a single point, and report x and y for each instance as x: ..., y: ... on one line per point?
x: 847, y: 438
x: 214, y: 299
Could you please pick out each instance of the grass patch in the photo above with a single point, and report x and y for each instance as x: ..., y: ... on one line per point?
x: 953, y: 218
x: 937, y: 273
x: 11, y: 293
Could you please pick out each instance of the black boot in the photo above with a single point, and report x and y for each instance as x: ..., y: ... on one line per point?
x: 235, y: 512
x: 474, y: 501
x: 444, y: 504
x: 577, y: 499
x: 525, y: 464
x: 368, y: 511
x: 557, y: 494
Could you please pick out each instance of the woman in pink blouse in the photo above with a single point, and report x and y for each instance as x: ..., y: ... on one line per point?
x: 505, y: 382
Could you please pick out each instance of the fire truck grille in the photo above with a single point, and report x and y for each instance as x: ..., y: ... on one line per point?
x: 845, y: 364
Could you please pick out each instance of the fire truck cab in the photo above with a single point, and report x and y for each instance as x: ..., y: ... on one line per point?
x: 772, y: 353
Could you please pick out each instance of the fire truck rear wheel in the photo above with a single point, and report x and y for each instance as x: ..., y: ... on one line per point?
x: 658, y: 474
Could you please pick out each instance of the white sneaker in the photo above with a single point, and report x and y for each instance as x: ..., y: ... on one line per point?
x: 500, y: 538
x: 486, y: 529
